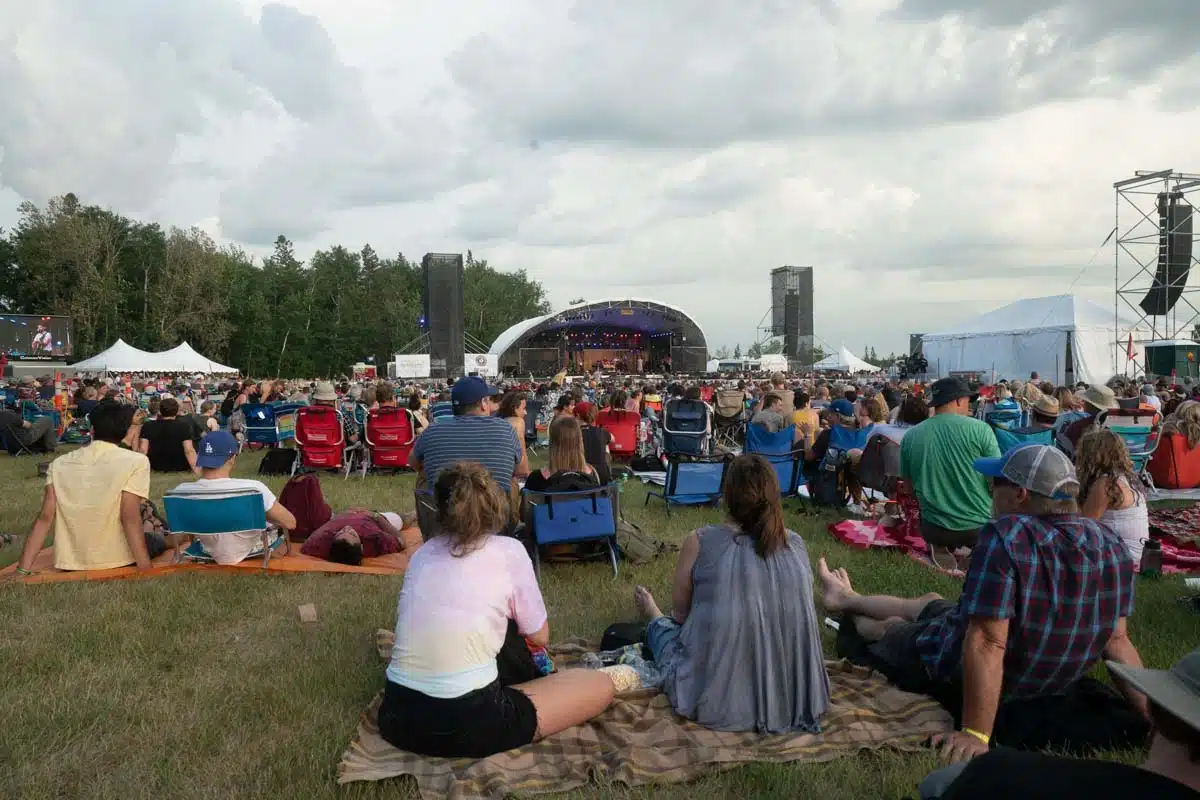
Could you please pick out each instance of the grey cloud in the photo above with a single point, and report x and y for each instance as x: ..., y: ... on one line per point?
x: 95, y: 97
x: 688, y: 76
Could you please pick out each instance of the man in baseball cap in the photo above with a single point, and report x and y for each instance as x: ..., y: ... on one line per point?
x: 472, y: 434
x: 1171, y: 770
x: 1046, y: 595
x: 216, y: 456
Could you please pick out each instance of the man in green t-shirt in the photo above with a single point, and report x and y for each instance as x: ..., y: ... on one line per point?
x: 937, y: 457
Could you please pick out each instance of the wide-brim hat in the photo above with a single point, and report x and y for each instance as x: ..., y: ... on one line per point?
x: 1177, y: 691
x: 1047, y: 406
x: 324, y: 392
x: 1100, y: 397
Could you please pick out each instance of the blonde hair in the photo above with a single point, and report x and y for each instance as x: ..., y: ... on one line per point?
x: 1185, y: 421
x: 470, y: 506
x: 877, y: 410
x: 566, y: 446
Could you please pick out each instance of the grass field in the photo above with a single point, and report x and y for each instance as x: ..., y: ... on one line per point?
x: 209, y: 685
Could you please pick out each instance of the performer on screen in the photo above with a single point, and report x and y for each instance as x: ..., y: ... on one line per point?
x: 43, y: 340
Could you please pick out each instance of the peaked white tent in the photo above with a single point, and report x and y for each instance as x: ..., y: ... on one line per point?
x: 121, y: 357
x: 185, y: 359
x: 1046, y: 335
x: 844, y: 361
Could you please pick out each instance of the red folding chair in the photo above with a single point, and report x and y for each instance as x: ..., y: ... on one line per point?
x: 625, y: 427
x: 390, y: 433
x: 321, y: 440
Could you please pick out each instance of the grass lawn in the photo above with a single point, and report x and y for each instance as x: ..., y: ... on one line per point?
x: 210, y: 686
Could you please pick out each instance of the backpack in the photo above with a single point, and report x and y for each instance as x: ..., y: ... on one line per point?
x: 637, y: 546
x: 278, y: 461
x: 303, y: 497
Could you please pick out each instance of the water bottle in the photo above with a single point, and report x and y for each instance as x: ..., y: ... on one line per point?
x: 1152, y: 559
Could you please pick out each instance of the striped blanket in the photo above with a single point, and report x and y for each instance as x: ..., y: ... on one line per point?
x: 639, y: 740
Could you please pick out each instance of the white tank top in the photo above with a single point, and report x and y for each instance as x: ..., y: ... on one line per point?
x: 1131, y: 525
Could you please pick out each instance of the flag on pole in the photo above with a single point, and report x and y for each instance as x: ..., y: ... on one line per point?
x: 1129, y: 351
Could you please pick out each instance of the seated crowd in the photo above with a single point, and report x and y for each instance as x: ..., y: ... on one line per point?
x: 1045, y: 518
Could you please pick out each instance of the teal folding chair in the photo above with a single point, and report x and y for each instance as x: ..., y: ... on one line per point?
x: 213, y: 513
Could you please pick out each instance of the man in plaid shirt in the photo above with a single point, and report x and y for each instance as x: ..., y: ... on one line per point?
x: 1046, y: 596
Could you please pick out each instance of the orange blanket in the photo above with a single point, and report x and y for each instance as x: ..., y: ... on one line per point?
x: 395, y: 564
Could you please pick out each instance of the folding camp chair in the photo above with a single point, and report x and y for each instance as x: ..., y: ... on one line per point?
x: 568, y: 517
x: 626, y: 429
x: 12, y: 442
x: 729, y: 418
x: 1005, y: 419
x: 427, y: 516
x: 1138, y: 429
x: 1008, y: 440
x: 319, y: 436
x: 389, y: 436
x: 212, y: 513
x: 685, y: 427
x: 692, y: 481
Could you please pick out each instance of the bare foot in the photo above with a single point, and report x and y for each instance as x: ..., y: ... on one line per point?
x: 836, y: 585
x: 645, y: 603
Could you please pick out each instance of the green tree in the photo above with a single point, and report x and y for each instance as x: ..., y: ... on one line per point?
x: 737, y: 351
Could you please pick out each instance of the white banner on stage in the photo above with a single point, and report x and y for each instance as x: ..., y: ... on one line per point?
x: 486, y: 365
x: 412, y: 366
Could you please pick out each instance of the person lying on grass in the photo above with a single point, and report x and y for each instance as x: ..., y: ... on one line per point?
x: 741, y: 650
x: 464, y: 592
x: 357, y: 533
x: 216, y: 460
x: 1047, y: 594
x: 92, y: 502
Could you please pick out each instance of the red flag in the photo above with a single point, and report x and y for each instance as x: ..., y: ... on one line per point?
x: 1130, y: 353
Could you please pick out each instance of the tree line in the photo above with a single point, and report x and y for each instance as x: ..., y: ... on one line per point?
x: 154, y: 288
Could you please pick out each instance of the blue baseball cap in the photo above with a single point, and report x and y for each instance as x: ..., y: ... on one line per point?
x: 215, y: 449
x: 470, y: 390
x: 843, y: 407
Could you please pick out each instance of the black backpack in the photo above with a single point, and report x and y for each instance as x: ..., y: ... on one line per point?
x: 278, y: 462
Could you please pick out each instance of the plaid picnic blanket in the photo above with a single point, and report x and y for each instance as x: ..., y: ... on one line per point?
x: 640, y: 740
x: 1178, y: 531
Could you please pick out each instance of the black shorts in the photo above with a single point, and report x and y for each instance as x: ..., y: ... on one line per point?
x: 478, y: 724
x: 938, y: 536
x: 896, y: 654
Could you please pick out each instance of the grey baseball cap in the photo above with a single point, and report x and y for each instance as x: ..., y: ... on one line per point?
x: 1176, y: 690
x: 1038, y: 468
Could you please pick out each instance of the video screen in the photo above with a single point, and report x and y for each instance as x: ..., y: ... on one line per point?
x: 33, y: 338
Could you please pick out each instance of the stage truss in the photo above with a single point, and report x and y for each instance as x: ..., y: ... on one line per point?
x: 1137, y: 236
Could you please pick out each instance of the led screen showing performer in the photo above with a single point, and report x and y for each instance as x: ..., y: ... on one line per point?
x: 34, y: 338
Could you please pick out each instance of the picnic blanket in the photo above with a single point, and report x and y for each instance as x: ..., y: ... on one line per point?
x: 640, y: 740
x: 1178, y: 531
x: 394, y: 564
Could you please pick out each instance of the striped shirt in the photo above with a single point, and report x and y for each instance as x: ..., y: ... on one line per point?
x: 441, y: 410
x: 489, y: 440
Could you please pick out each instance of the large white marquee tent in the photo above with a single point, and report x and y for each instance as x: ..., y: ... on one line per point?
x: 844, y: 361
x: 1046, y: 335
x: 124, y: 357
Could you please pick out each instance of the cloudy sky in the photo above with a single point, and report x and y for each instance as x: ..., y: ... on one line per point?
x: 930, y: 158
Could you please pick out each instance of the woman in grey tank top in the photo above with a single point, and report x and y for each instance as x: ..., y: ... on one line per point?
x: 742, y: 650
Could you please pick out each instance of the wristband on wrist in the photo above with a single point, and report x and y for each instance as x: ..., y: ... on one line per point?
x: 983, y: 737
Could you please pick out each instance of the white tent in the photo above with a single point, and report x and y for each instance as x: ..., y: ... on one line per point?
x: 1046, y: 335
x: 121, y: 357
x: 185, y: 359
x: 844, y: 361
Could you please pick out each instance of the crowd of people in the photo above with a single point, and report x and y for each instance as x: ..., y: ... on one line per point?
x: 1047, y: 532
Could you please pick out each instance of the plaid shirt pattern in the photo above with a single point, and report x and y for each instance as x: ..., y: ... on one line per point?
x: 1063, y: 582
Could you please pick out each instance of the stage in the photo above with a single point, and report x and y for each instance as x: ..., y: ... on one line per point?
x: 631, y: 336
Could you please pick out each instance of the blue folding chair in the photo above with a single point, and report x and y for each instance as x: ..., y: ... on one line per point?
x: 1138, y: 429
x: 692, y: 482
x: 569, y: 517
x: 1007, y: 440
x: 212, y: 513
x: 1005, y: 419
x: 685, y: 427
x: 779, y: 449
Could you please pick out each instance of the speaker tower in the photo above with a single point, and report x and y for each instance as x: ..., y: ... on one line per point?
x: 443, y: 303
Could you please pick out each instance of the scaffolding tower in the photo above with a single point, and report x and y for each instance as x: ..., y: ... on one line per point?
x: 1155, y: 250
